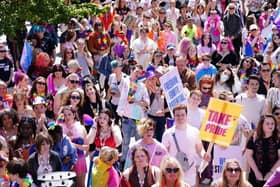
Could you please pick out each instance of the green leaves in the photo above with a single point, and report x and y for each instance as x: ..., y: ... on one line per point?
x: 13, y: 13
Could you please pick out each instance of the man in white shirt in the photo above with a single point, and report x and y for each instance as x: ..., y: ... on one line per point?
x: 253, y: 103
x: 187, y: 138
x: 195, y: 114
x: 144, y: 48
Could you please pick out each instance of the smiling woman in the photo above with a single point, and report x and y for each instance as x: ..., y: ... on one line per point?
x: 232, y: 175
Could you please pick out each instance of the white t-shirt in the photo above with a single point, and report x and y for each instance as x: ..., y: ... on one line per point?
x: 114, y: 83
x: 253, y: 108
x: 195, y: 117
x: 187, y: 140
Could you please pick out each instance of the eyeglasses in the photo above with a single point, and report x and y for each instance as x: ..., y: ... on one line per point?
x: 232, y: 100
x: 42, y: 83
x: 170, y: 170
x: 74, y: 82
x: 3, y: 51
x: 206, y: 88
x: 231, y: 8
x: 205, y: 59
x: 277, y: 113
x: 75, y: 97
x: 223, y: 42
x: 231, y: 170
x: 265, y: 70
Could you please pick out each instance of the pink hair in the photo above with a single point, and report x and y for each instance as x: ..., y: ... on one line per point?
x: 183, y: 46
x: 230, y: 45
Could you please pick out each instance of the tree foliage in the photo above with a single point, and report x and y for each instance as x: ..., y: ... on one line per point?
x: 13, y: 13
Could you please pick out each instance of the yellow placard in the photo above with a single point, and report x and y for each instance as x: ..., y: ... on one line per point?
x: 220, y: 122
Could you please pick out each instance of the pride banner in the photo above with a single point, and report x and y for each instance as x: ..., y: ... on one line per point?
x: 220, y: 122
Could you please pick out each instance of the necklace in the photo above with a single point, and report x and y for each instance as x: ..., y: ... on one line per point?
x: 141, y: 181
x: 104, y: 135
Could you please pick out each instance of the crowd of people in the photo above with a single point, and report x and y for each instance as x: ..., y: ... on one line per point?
x: 91, y: 90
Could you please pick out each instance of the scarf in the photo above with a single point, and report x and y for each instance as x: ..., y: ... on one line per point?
x: 26, y: 182
x: 132, y: 90
x: 101, y: 39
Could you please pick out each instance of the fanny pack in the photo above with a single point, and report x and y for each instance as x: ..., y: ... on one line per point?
x: 182, y: 157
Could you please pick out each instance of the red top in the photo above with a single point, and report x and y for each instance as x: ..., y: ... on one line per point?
x: 110, y: 141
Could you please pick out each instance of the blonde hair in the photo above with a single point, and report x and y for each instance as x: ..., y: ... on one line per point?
x: 170, y: 160
x: 144, y: 126
x: 242, y: 182
x: 107, y: 154
x: 66, y: 99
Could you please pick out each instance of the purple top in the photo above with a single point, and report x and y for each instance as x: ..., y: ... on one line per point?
x: 274, y: 179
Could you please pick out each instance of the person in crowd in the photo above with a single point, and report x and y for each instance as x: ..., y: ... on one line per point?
x: 254, y: 42
x: 157, y: 108
x: 69, y: 40
x: 116, y: 82
x: 181, y: 19
x: 18, y: 173
x: 166, y: 36
x: 44, y: 160
x: 68, y: 55
x: 92, y: 102
x: 233, y: 27
x: 63, y: 147
x: 232, y: 175
x: 225, y: 80
x: 73, y: 66
x: 40, y: 107
x: 172, y: 12
x: 247, y: 67
x: 56, y: 79
x: 276, y: 113
x: 170, y: 57
x: 171, y: 174
x: 75, y: 98
x: 253, y: 103
x: 225, y: 54
x: 25, y: 139
x: 78, y: 135
x: 263, y: 163
x: 8, y: 123
x: 104, y: 132
x: 174, y: 139
x: 99, y: 42
x: 84, y: 57
x: 195, y: 114
x: 186, y: 74
x: 22, y: 82
x: 214, y: 26
x: 156, y: 149
x: 143, y: 47
x: 206, y: 86
x: 157, y: 59
x: 39, y: 88
x: 192, y: 59
x: 4, y: 160
x: 5, y: 97
x: 6, y: 66
x: 205, y: 68
x: 206, y: 45
x: 104, y: 174
x: 190, y: 30
x: 134, y: 101
x: 72, y: 82
x: 265, y: 78
x: 19, y: 102
x: 141, y: 172
x: 199, y: 15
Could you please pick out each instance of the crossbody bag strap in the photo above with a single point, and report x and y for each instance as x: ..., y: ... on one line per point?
x: 176, y: 143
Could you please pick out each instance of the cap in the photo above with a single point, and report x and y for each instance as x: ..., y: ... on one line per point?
x: 114, y: 64
x: 157, y: 52
x: 150, y: 74
x: 38, y: 100
x: 170, y: 46
x: 253, y: 27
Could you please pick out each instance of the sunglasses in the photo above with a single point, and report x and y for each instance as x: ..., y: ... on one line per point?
x: 265, y: 70
x: 170, y: 170
x: 231, y: 8
x: 75, y: 97
x: 27, y: 119
x: 277, y: 113
x: 223, y: 42
x: 205, y: 59
x: 74, y: 82
x: 231, y: 170
x: 42, y: 83
x: 56, y: 70
x: 3, y: 51
x: 206, y: 88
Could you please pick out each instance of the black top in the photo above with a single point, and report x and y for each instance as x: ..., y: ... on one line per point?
x: 230, y: 58
x: 5, y: 69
